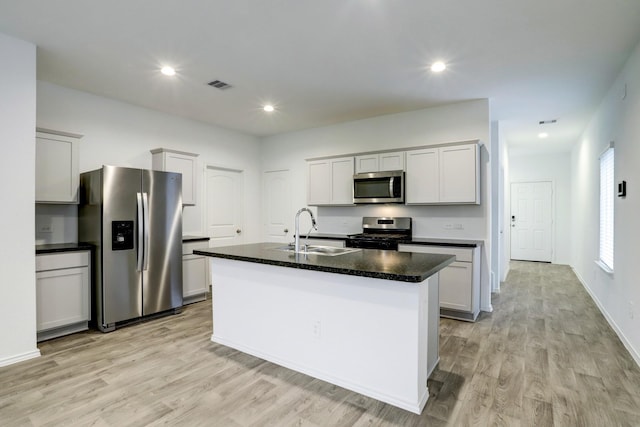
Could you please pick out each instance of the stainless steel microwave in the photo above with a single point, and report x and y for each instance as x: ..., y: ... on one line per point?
x: 378, y: 187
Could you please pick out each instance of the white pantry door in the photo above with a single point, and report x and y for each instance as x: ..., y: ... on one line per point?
x: 531, y: 221
x: 225, y: 197
x: 277, y: 203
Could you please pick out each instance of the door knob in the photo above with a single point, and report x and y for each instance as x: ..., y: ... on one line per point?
x: 238, y: 231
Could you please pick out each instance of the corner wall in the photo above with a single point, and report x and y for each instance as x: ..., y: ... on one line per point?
x: 454, y: 122
x: 17, y: 185
x: 616, y: 119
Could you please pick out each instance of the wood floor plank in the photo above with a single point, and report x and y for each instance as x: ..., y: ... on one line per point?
x: 545, y: 356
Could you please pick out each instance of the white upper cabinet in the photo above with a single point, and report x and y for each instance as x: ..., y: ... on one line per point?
x: 422, y: 178
x: 380, y: 162
x: 330, y: 182
x: 443, y: 175
x: 184, y: 163
x: 57, y: 174
x: 459, y: 174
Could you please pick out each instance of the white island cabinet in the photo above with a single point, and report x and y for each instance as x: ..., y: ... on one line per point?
x: 62, y: 293
x: 355, y: 320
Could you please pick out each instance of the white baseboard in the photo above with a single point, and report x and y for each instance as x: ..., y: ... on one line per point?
x: 632, y: 351
x: 19, y: 357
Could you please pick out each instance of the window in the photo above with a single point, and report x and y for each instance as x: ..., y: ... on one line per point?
x: 607, y: 187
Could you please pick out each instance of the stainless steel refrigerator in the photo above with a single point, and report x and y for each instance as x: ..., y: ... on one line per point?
x: 134, y: 219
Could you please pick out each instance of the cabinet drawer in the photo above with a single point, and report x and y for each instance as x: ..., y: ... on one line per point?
x: 62, y: 260
x: 461, y: 254
x: 189, y: 247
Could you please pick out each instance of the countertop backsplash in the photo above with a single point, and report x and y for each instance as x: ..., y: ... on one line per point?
x: 61, y: 221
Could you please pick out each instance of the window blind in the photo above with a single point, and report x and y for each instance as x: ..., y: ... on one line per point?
x: 607, y: 187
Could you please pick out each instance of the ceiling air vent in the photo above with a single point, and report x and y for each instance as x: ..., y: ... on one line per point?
x: 218, y: 84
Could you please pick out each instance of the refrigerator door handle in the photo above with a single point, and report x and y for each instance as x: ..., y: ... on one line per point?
x: 145, y: 204
x: 141, y: 227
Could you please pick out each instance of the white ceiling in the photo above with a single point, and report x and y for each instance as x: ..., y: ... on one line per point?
x: 330, y: 61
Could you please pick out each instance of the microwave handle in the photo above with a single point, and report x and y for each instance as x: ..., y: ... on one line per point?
x: 391, y: 186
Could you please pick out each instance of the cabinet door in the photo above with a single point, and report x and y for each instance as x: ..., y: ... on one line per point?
x: 367, y: 163
x: 319, y: 182
x: 342, y: 181
x: 194, y: 275
x: 392, y: 161
x: 458, y: 174
x: 422, y: 177
x: 456, y: 286
x: 57, y: 174
x: 186, y: 165
x: 178, y: 161
x: 62, y: 297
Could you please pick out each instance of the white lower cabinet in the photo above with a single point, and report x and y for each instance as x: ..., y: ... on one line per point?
x: 459, y: 281
x: 195, y: 272
x: 62, y: 293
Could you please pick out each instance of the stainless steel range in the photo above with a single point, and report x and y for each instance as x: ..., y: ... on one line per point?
x: 381, y: 233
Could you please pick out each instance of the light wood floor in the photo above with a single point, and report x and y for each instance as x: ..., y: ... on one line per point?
x: 545, y: 357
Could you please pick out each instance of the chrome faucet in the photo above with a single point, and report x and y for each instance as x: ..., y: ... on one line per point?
x: 313, y: 224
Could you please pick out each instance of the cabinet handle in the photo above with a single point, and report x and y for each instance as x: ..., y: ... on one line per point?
x: 238, y: 231
x: 286, y: 230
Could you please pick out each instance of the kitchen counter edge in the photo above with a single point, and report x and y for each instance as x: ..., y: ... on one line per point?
x: 51, y: 248
x: 414, y: 267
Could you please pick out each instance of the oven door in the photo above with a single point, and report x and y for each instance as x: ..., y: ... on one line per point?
x: 378, y: 187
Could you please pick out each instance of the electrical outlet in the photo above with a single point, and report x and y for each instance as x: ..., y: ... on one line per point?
x: 448, y: 226
x: 458, y: 227
x: 316, y: 328
x: 631, y: 310
x: 45, y: 227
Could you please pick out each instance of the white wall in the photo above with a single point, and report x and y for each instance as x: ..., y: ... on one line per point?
x: 17, y: 186
x: 554, y: 167
x: 617, y: 119
x: 120, y: 134
x: 505, y: 237
x: 455, y: 122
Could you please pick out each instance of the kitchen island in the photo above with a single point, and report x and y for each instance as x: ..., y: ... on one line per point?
x: 366, y: 320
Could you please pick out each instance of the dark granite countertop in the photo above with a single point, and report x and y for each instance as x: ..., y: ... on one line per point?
x: 465, y: 243
x: 444, y: 242
x: 195, y: 239
x: 379, y: 264
x: 63, y: 247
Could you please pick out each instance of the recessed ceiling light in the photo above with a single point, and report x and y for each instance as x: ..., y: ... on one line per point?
x: 268, y: 108
x: 543, y: 135
x: 168, y: 71
x: 438, y: 67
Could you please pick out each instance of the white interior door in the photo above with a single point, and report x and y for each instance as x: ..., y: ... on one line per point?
x: 531, y: 221
x: 277, y: 206
x: 225, y: 197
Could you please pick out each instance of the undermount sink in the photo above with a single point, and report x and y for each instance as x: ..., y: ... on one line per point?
x: 317, y: 250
